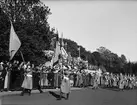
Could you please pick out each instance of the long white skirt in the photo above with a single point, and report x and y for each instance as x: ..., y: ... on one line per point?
x: 6, y: 81
x: 27, y: 83
x: 65, y: 85
x: 121, y: 85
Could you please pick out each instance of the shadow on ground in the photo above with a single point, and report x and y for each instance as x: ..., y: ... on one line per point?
x: 57, y: 96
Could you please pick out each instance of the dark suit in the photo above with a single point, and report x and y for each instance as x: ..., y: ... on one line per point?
x: 51, y: 79
x: 36, y: 80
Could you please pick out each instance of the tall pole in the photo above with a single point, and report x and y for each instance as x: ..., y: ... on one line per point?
x: 22, y: 56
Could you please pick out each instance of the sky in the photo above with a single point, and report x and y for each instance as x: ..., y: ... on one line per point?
x: 92, y: 24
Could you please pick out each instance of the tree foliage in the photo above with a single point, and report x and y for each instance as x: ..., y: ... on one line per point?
x: 103, y: 57
x: 29, y: 18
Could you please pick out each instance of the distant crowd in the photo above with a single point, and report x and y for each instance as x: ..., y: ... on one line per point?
x: 105, y: 80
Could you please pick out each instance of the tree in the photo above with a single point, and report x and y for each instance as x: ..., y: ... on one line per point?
x: 123, y: 58
x: 29, y: 18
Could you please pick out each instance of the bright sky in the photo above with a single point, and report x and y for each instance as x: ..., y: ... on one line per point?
x: 111, y: 24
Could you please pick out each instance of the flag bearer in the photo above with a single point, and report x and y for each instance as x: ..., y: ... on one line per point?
x: 65, y: 86
x: 27, y: 83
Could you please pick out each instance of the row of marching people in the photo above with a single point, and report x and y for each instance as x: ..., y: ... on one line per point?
x: 82, y: 79
x: 28, y: 76
x: 120, y: 81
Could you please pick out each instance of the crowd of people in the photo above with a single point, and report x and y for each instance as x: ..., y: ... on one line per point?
x: 26, y: 76
x: 120, y: 81
x: 105, y: 80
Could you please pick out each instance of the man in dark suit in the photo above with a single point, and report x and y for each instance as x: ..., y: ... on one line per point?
x: 51, y: 78
x: 36, y: 78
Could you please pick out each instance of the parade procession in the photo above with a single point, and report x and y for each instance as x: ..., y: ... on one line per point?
x: 40, y: 64
x: 60, y: 72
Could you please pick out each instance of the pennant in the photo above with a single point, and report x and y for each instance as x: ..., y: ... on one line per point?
x: 14, y: 43
x: 64, y: 53
x: 56, y: 57
x: 53, y: 41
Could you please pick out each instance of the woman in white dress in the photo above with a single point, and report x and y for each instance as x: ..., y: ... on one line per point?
x: 27, y: 83
x: 106, y: 81
x: 65, y: 86
x: 95, y: 85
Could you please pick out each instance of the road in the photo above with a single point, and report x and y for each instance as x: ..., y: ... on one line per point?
x: 85, y: 96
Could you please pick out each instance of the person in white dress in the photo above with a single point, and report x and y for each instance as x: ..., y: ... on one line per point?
x: 65, y: 85
x: 121, y: 82
x: 27, y: 83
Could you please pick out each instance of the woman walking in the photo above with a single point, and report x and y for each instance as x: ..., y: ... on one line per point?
x: 27, y: 83
x: 65, y: 86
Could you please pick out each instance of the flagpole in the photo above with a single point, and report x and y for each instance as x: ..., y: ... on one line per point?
x: 22, y: 56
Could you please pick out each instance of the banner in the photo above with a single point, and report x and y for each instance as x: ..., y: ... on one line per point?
x: 14, y: 43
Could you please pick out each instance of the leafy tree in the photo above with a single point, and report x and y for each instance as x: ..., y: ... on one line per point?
x: 29, y: 18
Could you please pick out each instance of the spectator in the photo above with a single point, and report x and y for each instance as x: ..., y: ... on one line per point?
x: 2, y: 76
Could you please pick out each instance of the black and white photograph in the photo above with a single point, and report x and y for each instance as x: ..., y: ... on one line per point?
x: 68, y: 52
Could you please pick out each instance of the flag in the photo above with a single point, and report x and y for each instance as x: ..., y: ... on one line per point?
x: 53, y: 41
x: 56, y: 57
x: 69, y: 58
x: 64, y: 53
x: 14, y: 43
